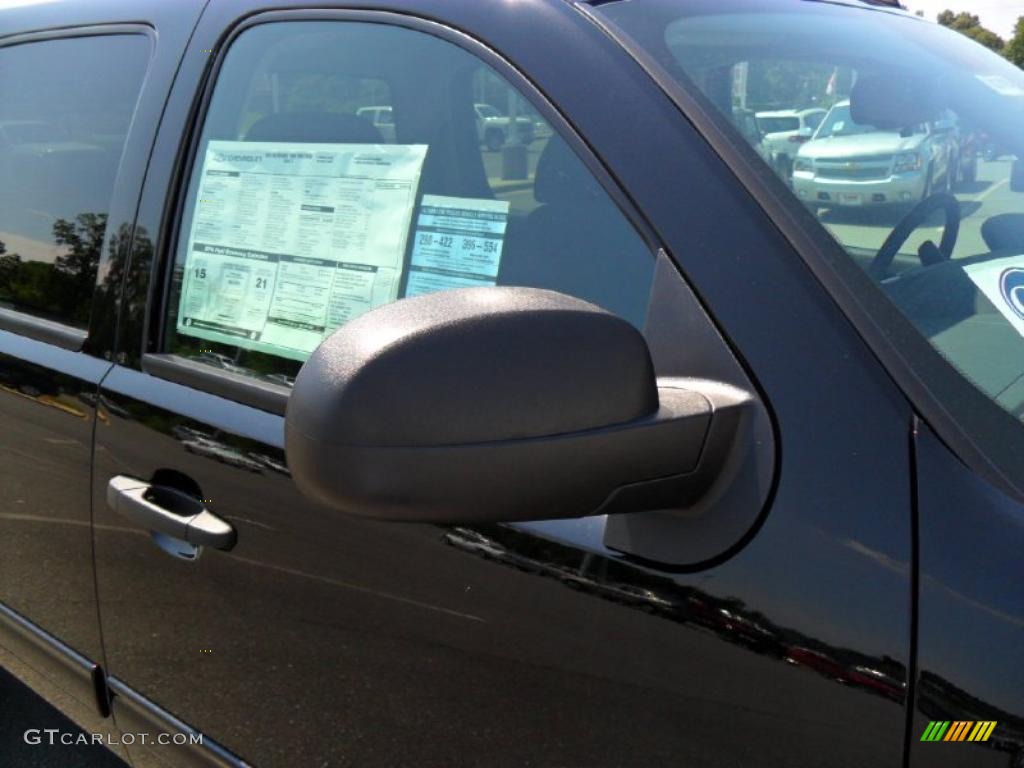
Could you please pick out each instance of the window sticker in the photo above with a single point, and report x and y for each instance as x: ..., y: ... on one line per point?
x: 458, y: 243
x: 1002, y: 282
x: 290, y: 241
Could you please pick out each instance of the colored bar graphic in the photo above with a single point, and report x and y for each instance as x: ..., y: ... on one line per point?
x: 954, y: 731
x: 959, y: 730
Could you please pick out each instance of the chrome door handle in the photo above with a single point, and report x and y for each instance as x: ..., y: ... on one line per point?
x: 170, y: 512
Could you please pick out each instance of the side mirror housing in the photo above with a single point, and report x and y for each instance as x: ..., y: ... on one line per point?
x: 500, y: 404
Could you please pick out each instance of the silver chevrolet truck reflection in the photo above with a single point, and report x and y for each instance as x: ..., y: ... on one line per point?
x: 851, y: 165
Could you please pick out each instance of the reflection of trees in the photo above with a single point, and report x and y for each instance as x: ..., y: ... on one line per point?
x: 63, y: 289
x: 76, y: 267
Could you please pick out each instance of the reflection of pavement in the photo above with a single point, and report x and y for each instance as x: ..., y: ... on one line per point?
x: 988, y: 196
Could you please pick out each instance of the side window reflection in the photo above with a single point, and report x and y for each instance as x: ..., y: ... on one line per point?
x: 65, y: 108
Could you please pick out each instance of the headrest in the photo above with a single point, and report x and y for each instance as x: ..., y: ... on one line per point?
x: 1004, y: 232
x: 893, y: 101
x: 561, y: 177
x: 315, y: 128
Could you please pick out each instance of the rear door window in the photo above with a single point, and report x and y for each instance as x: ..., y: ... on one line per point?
x: 65, y: 109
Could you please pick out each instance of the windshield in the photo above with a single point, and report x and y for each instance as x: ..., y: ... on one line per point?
x: 840, y: 123
x: 914, y: 170
x: 486, y: 110
x: 778, y: 124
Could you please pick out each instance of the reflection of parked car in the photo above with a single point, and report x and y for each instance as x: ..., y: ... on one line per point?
x: 492, y: 127
x: 877, y: 681
x: 211, y: 449
x: 816, y: 660
x: 746, y: 124
x: 184, y: 433
x: 969, y: 151
x: 474, y: 542
x: 270, y: 463
x: 784, y: 131
x: 383, y: 120
x: 847, y: 164
x: 90, y: 398
x: 282, y: 379
x: 639, y: 596
x: 218, y: 360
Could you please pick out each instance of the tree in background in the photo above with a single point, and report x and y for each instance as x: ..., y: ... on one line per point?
x: 1014, y: 50
x: 969, y: 24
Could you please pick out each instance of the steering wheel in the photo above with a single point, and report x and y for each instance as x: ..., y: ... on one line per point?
x: 929, y: 253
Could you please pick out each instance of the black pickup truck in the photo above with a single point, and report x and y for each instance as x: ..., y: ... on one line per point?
x: 327, y: 446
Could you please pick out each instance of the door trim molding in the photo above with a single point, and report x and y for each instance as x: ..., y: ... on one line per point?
x: 136, y: 713
x: 54, y: 659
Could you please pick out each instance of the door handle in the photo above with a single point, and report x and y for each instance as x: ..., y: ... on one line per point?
x: 170, y: 512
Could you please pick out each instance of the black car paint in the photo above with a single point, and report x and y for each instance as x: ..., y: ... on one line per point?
x: 45, y: 569
x: 341, y: 641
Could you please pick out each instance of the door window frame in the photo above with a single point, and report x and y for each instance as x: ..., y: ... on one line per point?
x: 265, y: 395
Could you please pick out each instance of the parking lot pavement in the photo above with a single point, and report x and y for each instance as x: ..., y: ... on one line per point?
x: 20, y: 710
x: 986, y: 197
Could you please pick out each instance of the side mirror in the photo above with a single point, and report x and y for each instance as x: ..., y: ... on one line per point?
x: 500, y: 404
x: 1017, y: 176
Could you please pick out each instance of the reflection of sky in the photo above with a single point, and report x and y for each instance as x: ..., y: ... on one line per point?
x: 976, y: 647
x: 4, y: 4
x: 30, y: 249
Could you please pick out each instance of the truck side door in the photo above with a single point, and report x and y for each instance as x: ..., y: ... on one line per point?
x: 310, y: 637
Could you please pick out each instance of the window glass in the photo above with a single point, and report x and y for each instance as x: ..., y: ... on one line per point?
x: 770, y: 124
x: 344, y: 165
x: 813, y: 120
x: 916, y: 169
x: 65, y: 108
